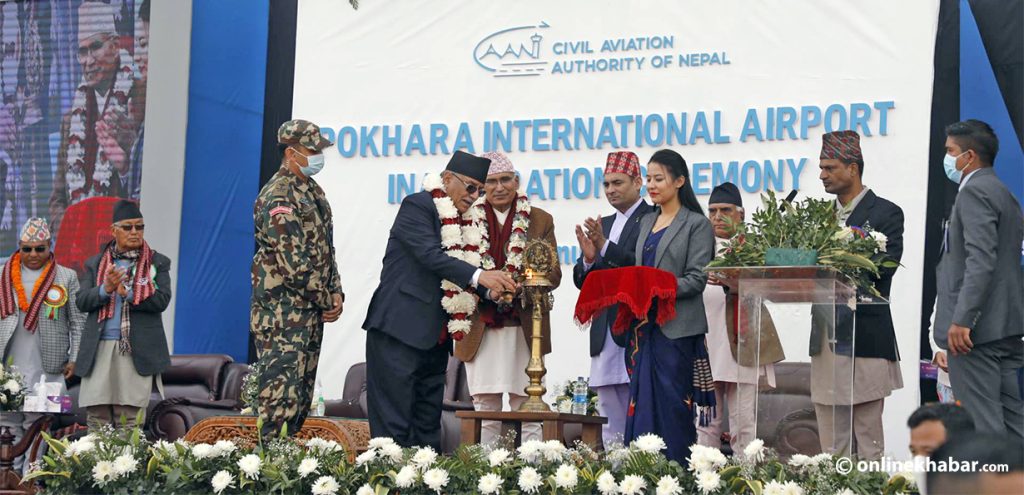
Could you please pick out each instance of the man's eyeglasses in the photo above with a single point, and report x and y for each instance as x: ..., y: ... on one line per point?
x: 505, y: 181
x: 93, y: 48
x: 38, y: 249
x: 470, y: 188
x: 130, y: 227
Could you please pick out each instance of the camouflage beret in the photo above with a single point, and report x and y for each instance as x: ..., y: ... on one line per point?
x: 303, y: 133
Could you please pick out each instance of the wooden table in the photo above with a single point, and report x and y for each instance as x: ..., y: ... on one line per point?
x: 553, y: 425
x: 353, y: 435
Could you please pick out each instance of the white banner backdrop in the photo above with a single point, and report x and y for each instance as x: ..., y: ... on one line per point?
x: 743, y: 90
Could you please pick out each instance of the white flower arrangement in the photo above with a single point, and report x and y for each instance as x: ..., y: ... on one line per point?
x: 755, y: 450
x: 12, y: 390
x: 111, y: 462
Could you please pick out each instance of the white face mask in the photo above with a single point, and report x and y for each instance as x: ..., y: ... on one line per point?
x: 314, y: 164
x: 949, y: 165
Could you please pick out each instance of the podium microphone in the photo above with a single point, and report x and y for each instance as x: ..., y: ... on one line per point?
x: 789, y: 199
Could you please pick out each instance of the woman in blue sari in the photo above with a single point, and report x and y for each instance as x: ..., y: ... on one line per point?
x: 670, y: 378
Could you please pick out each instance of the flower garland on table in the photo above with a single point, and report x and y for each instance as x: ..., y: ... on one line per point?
x: 79, y: 186
x: 460, y: 238
x: 517, y: 241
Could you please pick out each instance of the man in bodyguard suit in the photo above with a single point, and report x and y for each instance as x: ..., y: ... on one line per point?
x: 407, y: 337
x: 609, y: 243
x: 876, y: 371
x: 979, y: 316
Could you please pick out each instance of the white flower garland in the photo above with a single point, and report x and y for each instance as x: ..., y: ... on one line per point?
x: 461, y: 239
x: 103, y: 170
x: 517, y: 242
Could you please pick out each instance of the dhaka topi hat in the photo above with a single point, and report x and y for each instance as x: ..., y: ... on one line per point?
x: 622, y: 162
x: 35, y: 230
x: 841, y: 145
x: 499, y: 163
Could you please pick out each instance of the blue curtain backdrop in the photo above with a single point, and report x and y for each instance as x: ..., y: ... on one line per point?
x: 227, y: 77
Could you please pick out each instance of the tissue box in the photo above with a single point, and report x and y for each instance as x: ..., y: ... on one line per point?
x: 50, y: 404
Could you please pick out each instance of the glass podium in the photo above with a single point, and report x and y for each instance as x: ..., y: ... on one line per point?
x: 791, y: 333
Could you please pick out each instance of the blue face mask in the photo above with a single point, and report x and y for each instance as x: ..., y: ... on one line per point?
x: 314, y: 164
x: 949, y: 164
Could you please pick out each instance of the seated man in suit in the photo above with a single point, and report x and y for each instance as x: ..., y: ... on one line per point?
x: 424, y: 300
x: 609, y: 243
x: 876, y: 370
x: 498, y: 347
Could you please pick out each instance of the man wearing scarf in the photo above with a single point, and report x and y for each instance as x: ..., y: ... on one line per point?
x: 40, y: 326
x: 497, y: 349
x: 98, y: 131
x: 125, y: 290
x: 872, y: 347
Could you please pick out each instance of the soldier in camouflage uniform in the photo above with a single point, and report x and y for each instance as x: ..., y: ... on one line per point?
x: 295, y: 283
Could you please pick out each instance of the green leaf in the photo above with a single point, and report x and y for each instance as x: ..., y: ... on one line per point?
x: 729, y: 473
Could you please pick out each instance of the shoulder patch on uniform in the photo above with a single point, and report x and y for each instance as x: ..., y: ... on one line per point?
x: 279, y: 210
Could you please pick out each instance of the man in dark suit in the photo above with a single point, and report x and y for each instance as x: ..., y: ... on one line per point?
x: 407, y: 328
x: 125, y: 290
x: 979, y: 316
x: 609, y: 243
x: 876, y: 371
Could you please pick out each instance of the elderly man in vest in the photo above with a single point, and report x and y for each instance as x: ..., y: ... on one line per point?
x: 40, y: 326
x: 125, y: 290
x: 497, y: 349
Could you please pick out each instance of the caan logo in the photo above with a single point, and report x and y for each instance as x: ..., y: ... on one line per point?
x: 513, y: 52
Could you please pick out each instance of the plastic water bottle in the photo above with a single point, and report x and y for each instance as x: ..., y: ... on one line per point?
x: 579, y: 396
x: 319, y: 401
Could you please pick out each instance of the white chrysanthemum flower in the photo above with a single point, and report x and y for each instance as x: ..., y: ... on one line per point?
x: 365, y: 457
x: 498, y: 457
x: 530, y: 480
x: 325, y: 485
x: 308, y: 466
x: 531, y: 451
x: 406, y: 477
x: 800, y: 460
x: 567, y: 476
x: 202, y: 451
x: 650, y: 443
x: 222, y: 481
x: 880, y: 239
x: 380, y: 442
x: 80, y: 446
x: 606, y: 484
x: 224, y: 448
x: 472, y: 236
x: 791, y: 488
x: 103, y: 471
x: 250, y: 465
x: 774, y: 488
x: 706, y: 458
x: 553, y: 450
x: 632, y: 485
x: 708, y: 481
x: 392, y: 452
x: 125, y: 464
x: 424, y: 457
x: 451, y: 235
x: 489, y: 484
x: 436, y: 479
x: 821, y: 459
x: 754, y: 450
x: 12, y: 386
x: 472, y: 257
x: 845, y: 491
x: 668, y: 485
x: 365, y: 490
